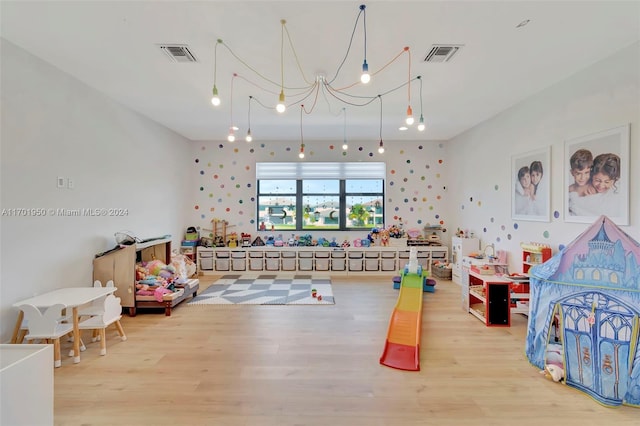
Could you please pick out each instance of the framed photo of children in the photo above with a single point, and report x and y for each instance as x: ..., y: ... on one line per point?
x: 597, y: 176
x: 530, y: 189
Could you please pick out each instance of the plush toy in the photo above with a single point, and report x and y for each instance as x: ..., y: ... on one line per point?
x: 233, y: 240
x: 159, y: 268
x: 384, y: 237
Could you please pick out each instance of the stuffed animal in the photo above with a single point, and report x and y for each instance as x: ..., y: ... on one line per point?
x: 384, y: 237
x: 233, y: 240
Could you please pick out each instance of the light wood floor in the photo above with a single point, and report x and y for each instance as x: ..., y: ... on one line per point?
x: 317, y: 365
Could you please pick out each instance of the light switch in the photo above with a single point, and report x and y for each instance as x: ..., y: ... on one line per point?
x: 60, y: 182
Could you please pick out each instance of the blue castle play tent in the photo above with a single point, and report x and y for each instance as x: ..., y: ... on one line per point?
x: 585, y: 315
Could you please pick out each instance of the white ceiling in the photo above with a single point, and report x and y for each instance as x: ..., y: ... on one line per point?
x: 112, y: 46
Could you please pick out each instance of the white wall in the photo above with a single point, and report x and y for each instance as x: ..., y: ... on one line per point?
x: 604, y: 96
x: 53, y: 125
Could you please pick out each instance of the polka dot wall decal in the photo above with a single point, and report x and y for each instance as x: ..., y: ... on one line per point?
x: 262, y: 145
x: 241, y: 212
x: 237, y: 185
x: 395, y: 217
x: 331, y: 147
x: 397, y: 208
x: 247, y: 168
x: 556, y: 214
x: 495, y: 187
x: 216, y: 176
x: 288, y: 149
x: 438, y: 175
x: 211, y: 195
x: 479, y: 203
x: 405, y: 180
x: 462, y: 207
x: 209, y: 164
x: 426, y: 166
x: 430, y: 207
x: 408, y: 161
x: 402, y: 151
x: 196, y: 207
x: 203, y: 148
x: 344, y: 153
x: 235, y: 150
x: 201, y: 188
x: 201, y: 172
x: 371, y: 154
x: 419, y: 146
x: 360, y: 148
x: 502, y: 227
x: 221, y: 146
x: 221, y: 166
x: 228, y: 209
x: 508, y: 236
x: 410, y: 209
x: 424, y: 199
x: 197, y: 161
x: 545, y: 234
x: 401, y: 189
x: 253, y: 198
x: 471, y: 199
x: 439, y: 197
x: 393, y: 172
x: 442, y: 222
x: 423, y: 177
x: 492, y: 219
x: 515, y: 226
x: 410, y: 171
x: 498, y: 240
x: 391, y: 183
x: 221, y: 185
x: 429, y: 186
x: 252, y: 221
x: 249, y: 185
x: 252, y: 150
x: 484, y: 229
x: 419, y: 221
x: 272, y: 153
x: 415, y: 199
x: 406, y: 200
x: 440, y: 161
x: 201, y: 216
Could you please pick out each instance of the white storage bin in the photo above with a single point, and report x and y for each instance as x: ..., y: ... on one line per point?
x: 223, y: 261
x: 272, y: 261
x: 256, y: 261
x: 322, y: 260
x: 206, y: 263
x: 338, y: 260
x: 288, y: 260
x: 305, y: 261
x: 356, y: 260
x: 238, y: 261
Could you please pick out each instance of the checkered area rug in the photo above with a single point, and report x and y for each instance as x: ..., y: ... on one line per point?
x: 266, y: 290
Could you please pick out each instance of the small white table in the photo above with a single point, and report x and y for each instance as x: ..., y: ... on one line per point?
x: 70, y: 297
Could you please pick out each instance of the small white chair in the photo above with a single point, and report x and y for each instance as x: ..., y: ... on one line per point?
x: 112, y: 313
x: 46, y: 326
x: 97, y: 306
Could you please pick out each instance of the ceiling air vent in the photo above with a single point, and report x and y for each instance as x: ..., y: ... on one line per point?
x: 178, y: 52
x: 442, y: 52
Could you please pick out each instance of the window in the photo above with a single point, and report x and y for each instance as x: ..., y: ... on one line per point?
x: 325, y: 196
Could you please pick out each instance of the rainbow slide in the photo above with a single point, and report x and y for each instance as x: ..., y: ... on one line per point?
x: 402, y: 347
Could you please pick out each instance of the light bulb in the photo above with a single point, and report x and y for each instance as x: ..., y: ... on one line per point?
x: 421, y: 125
x: 409, y: 120
x: 215, y: 100
x: 301, y: 155
x: 345, y: 146
x: 365, y: 77
x: 232, y: 136
x: 248, y: 138
x: 281, y: 107
x: 381, y: 147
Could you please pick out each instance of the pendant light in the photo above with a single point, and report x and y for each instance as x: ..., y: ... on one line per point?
x: 365, y: 77
x: 281, y: 107
x: 215, y: 100
x: 381, y: 145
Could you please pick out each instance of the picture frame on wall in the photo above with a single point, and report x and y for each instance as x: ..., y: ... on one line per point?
x: 596, y: 173
x: 530, y: 185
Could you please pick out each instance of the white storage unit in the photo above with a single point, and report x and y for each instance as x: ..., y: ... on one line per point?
x: 372, y: 261
x: 388, y: 261
x: 461, y: 247
x: 305, y: 261
x: 223, y: 261
x: 26, y: 374
x: 322, y: 260
x: 356, y: 260
x: 205, y: 259
x: 288, y: 262
x: 272, y: 260
x: 239, y: 260
x: 256, y: 260
x: 338, y: 260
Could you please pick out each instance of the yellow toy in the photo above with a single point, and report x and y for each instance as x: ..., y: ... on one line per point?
x: 233, y: 240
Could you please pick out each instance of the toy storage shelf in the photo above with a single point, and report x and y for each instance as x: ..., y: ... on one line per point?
x: 338, y: 261
x: 488, y: 299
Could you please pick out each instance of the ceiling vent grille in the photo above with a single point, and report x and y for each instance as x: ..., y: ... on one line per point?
x: 442, y: 52
x: 178, y: 52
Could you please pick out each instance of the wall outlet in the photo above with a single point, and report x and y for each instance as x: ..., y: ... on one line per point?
x: 60, y: 182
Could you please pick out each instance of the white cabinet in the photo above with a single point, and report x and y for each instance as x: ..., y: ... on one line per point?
x: 461, y: 247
